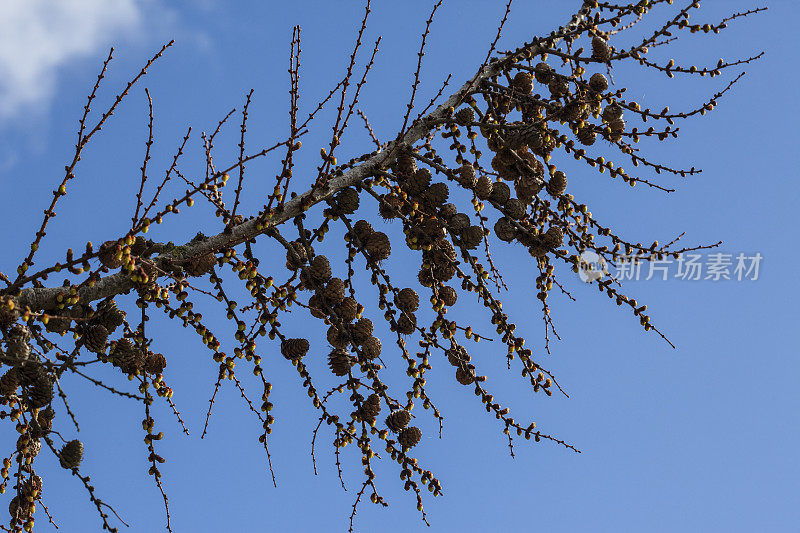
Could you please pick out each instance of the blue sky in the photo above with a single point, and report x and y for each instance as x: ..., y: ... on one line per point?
x: 700, y: 438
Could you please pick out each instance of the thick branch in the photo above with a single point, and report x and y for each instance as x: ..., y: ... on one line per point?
x: 38, y: 299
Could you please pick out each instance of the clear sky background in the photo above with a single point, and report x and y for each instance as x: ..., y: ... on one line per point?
x: 700, y: 438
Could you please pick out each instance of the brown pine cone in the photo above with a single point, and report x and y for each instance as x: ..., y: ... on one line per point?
x: 501, y: 192
x: 436, y: 195
x: 45, y: 417
x: 538, y: 248
x: 444, y: 271
x: 466, y: 176
x: 600, y: 49
x: 19, y: 508
x: 138, y: 361
x: 316, y: 306
x: 320, y: 269
x: 340, y: 362
x: 598, y: 83
x: 504, y: 157
x: 514, y: 209
x: 409, y: 437
x: 442, y: 252
x: 122, y: 346
x: 338, y: 337
x: 94, y: 338
x: 553, y: 237
x: 464, y: 116
x: 370, y: 408
x: 107, y: 254
x: 505, y: 230
x: 543, y: 72
x: 30, y: 372
x: 127, y: 357
x: 464, y: 376
x: 472, y: 237
x: 523, y: 82
x: 361, y: 330
x: 406, y: 164
x: 458, y: 223
x: 425, y: 276
x: 533, y: 165
x: 616, y: 128
x: 483, y: 188
x: 527, y: 187
x: 419, y: 182
x: 406, y: 323
x: 362, y: 229
x: 40, y: 393
x: 347, y: 309
x: 557, y: 184
x: 294, y: 349
x: 558, y: 87
x: 573, y: 111
x: 71, y: 454
x: 397, y: 420
x: 378, y: 246
x: 447, y: 211
x: 458, y: 356
x: 535, y: 140
x: 18, y: 342
x: 371, y: 348
x: 9, y: 382
x: 390, y: 206
x: 612, y: 112
x: 347, y: 201
x: 448, y: 295
x: 155, y: 363
x: 587, y: 135
x: 334, y: 291
x: 109, y: 315
x: 433, y: 230
x: 408, y: 300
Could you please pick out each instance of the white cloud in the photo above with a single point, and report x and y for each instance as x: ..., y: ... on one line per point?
x: 37, y: 37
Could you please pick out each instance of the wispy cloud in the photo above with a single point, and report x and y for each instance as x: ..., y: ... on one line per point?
x: 37, y: 37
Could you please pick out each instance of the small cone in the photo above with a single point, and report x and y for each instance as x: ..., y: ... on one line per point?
x: 409, y: 437
x: 398, y: 420
x: 71, y: 454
